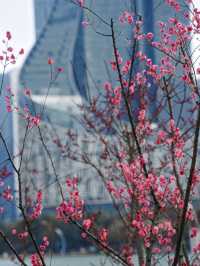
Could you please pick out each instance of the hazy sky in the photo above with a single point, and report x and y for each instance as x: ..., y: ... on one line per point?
x: 17, y: 17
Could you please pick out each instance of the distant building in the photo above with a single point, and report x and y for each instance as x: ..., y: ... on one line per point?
x: 84, y: 54
x: 62, y: 37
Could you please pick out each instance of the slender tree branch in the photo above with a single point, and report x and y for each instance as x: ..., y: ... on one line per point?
x: 129, y: 109
x: 111, y: 252
x: 21, y: 201
x: 9, y: 244
x: 188, y: 190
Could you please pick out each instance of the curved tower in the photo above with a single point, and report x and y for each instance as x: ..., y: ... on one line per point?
x: 57, y: 40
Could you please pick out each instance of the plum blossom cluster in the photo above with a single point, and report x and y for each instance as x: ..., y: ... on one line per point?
x: 127, y: 253
x: 4, y: 174
x: 10, y: 101
x: 37, y: 208
x: 7, y: 194
x: 144, y: 127
x: 35, y: 259
x: 174, y: 139
x: 174, y: 4
x: 73, y: 206
x: 88, y: 224
x: 173, y: 36
x: 163, y: 232
x: 113, y: 94
x: 103, y: 235
x: 45, y: 243
x: 32, y: 120
x: 20, y: 235
x: 72, y: 209
x: 8, y: 54
x: 59, y: 70
x: 119, y: 61
x: 81, y: 2
x: 196, y: 19
x: 126, y: 17
x: 136, y: 186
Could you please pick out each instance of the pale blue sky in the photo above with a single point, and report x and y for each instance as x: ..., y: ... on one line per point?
x: 17, y: 17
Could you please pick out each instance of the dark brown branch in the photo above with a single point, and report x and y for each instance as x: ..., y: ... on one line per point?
x: 111, y: 252
x: 93, y: 13
x: 188, y: 191
x: 172, y: 145
x: 9, y: 244
x: 128, y: 108
x: 21, y: 202
x: 52, y: 163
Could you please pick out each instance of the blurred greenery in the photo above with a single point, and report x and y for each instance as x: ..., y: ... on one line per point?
x: 47, y: 225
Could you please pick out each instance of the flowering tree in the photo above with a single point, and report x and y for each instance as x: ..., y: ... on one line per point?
x: 147, y: 160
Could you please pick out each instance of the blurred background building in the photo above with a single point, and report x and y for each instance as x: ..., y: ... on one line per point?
x: 83, y: 53
x: 62, y: 37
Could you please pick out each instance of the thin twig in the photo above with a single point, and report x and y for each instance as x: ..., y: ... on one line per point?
x: 188, y: 190
x: 7, y: 241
